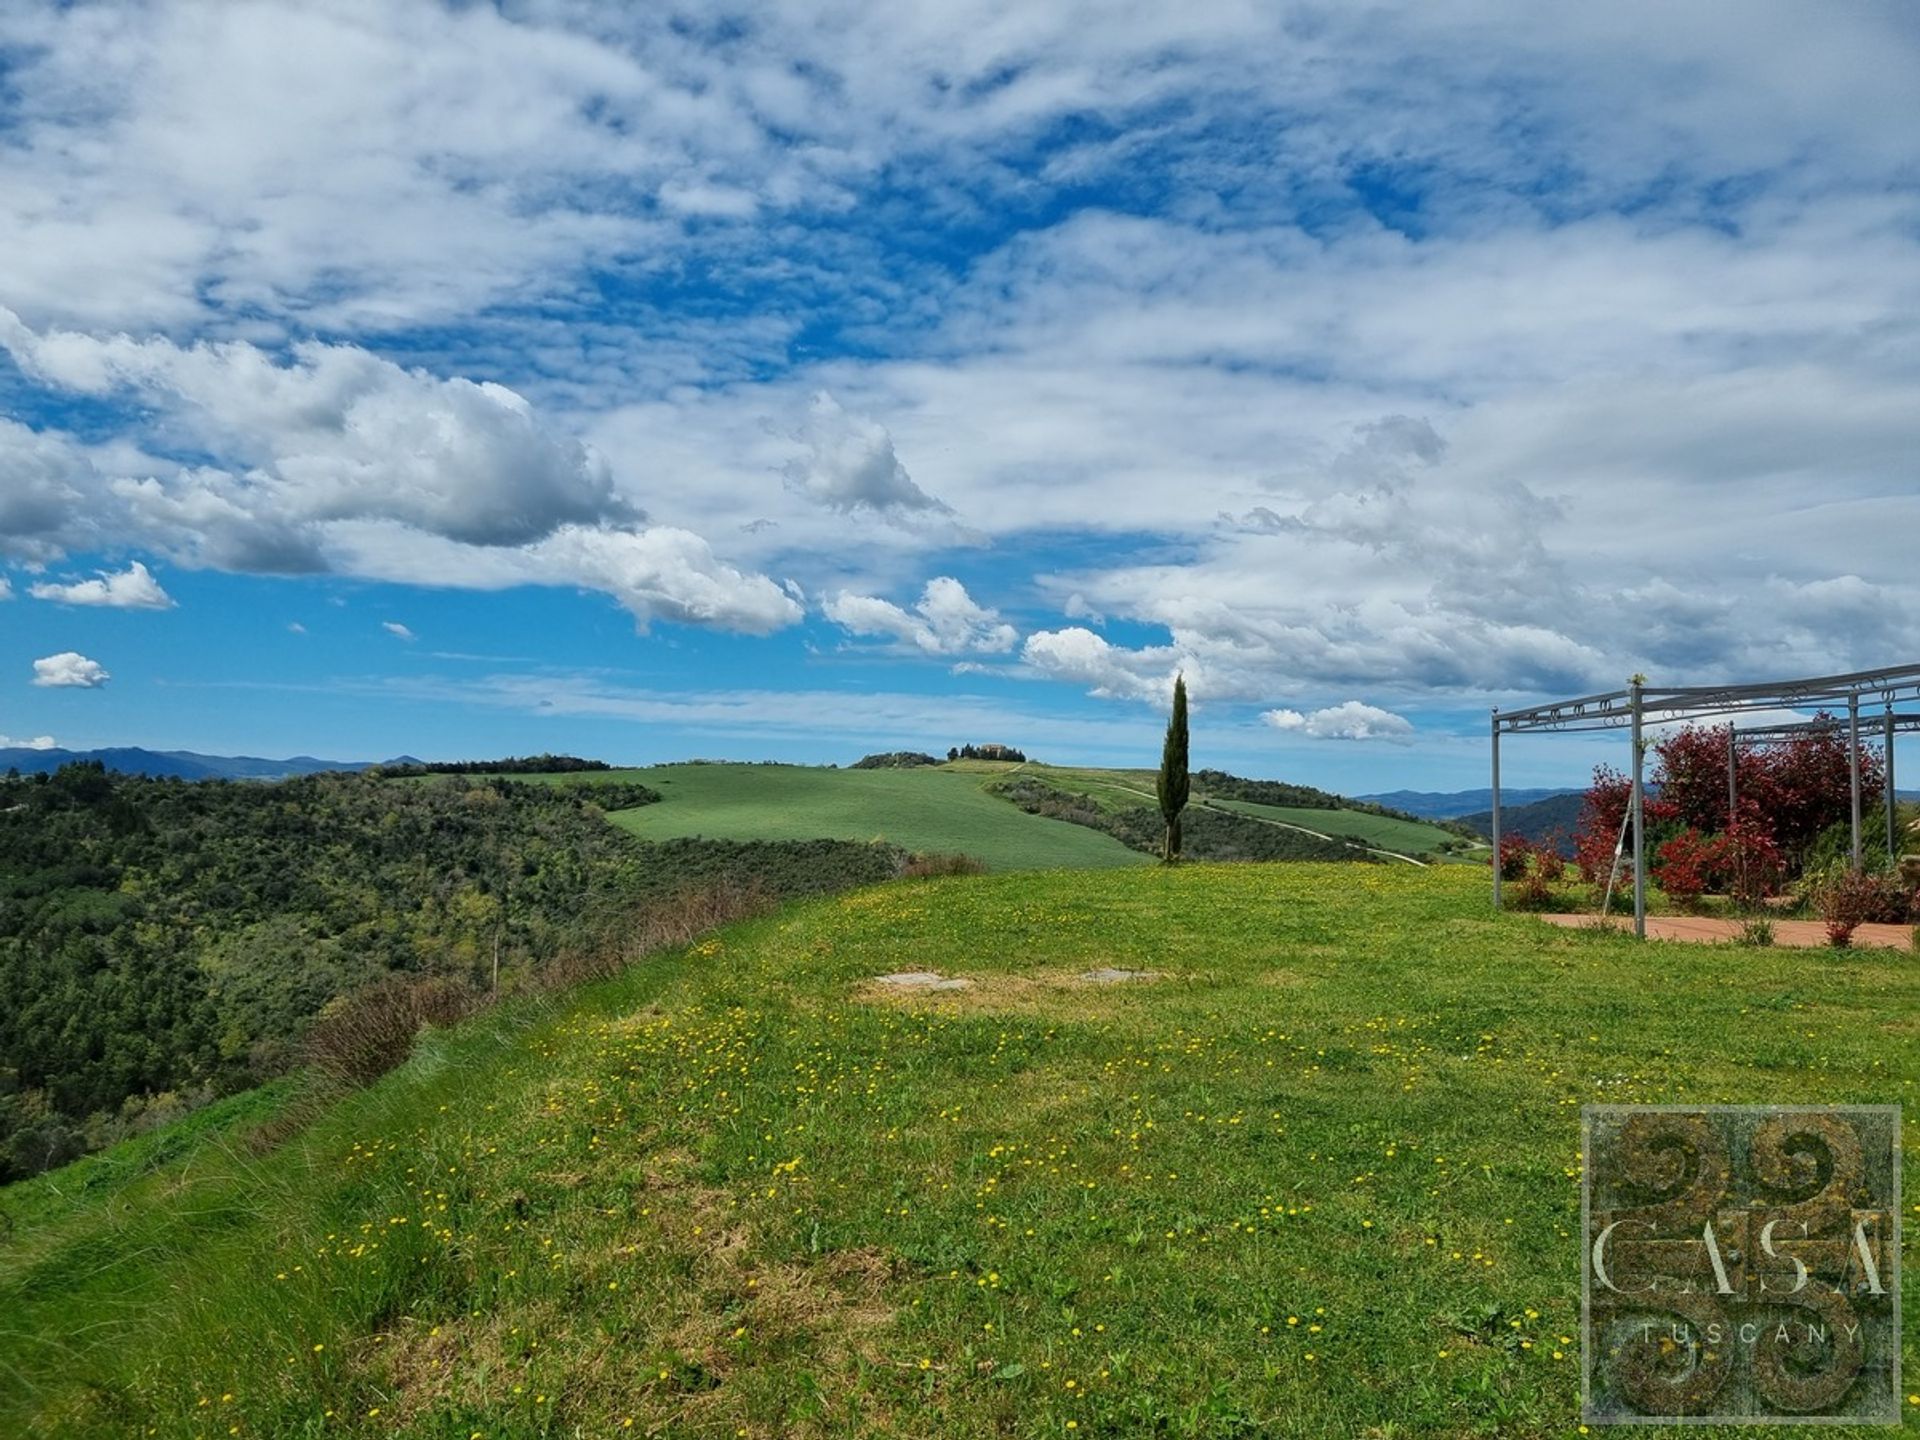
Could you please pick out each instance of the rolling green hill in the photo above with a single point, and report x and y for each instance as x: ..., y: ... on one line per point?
x: 964, y: 806
x: 942, y: 808
x: 1319, y: 1177
x: 1113, y: 789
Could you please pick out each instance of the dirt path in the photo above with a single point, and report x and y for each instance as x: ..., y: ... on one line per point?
x: 1796, y: 934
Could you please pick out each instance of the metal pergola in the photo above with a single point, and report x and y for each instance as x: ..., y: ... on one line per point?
x: 1640, y: 705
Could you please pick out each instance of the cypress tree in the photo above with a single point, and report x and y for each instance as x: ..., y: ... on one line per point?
x: 1172, y: 784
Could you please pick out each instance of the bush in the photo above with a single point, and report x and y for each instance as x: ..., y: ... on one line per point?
x: 1756, y: 930
x: 920, y: 866
x: 894, y: 760
x: 1515, y: 852
x: 1847, y: 901
x: 360, y: 1037
x: 1680, y: 866
x: 1533, y: 893
x: 1746, y: 860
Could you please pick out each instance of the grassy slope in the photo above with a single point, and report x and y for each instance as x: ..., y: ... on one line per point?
x: 1134, y: 787
x: 733, y: 1193
x: 936, y: 809
x: 1406, y: 837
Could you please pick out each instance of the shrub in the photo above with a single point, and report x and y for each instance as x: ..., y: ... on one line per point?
x: 360, y: 1037
x: 1681, y: 867
x: 894, y: 760
x: 1533, y: 893
x: 1515, y: 852
x: 1847, y: 901
x: 942, y: 864
x: 1746, y: 861
x: 1756, y: 930
x: 1549, y: 863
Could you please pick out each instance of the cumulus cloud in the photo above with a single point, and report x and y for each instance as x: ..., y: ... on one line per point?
x: 1078, y: 656
x: 946, y: 620
x: 336, y: 433
x: 131, y: 589
x: 340, y: 460
x: 38, y: 742
x: 1351, y: 720
x: 69, y: 670
x: 664, y: 573
x: 850, y: 464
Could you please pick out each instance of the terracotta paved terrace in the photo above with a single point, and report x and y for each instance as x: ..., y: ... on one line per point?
x: 1801, y: 933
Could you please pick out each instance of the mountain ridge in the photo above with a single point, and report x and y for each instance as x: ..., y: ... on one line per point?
x: 180, y: 764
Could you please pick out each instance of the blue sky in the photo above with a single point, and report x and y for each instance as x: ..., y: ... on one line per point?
x: 793, y: 380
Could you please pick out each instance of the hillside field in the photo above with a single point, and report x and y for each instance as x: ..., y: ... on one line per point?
x: 1320, y: 1177
x: 1387, y: 833
x: 932, y: 808
x: 950, y: 807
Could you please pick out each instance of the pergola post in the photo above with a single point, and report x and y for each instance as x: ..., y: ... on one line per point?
x: 1639, y: 814
x: 1733, y: 780
x: 1496, y: 807
x: 1853, y: 771
x: 1893, y: 826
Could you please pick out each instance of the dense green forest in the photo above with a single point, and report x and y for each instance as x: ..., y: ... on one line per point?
x: 163, y: 941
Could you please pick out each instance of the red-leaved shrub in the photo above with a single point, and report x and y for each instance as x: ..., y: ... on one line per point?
x: 1680, y: 866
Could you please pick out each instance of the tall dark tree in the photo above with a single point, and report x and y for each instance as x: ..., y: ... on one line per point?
x: 1171, y: 787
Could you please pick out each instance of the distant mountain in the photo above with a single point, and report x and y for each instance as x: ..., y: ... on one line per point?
x: 1552, y: 819
x: 1453, y: 804
x: 182, y: 764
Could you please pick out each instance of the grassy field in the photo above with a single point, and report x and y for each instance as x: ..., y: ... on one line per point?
x: 1319, y: 1178
x: 1404, y: 837
x: 930, y: 808
x: 1111, y: 788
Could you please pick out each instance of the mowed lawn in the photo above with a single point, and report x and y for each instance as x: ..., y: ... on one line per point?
x: 1319, y: 1178
x: 925, y: 809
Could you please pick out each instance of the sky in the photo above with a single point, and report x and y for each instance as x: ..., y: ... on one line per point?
x: 791, y: 381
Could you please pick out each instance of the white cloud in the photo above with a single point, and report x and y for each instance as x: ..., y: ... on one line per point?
x: 1076, y: 608
x: 294, y: 627
x: 337, y: 434
x: 397, y: 630
x: 131, y: 589
x: 38, y: 742
x: 6, y: 588
x: 1351, y: 720
x: 343, y: 461
x: 1648, y: 273
x: 850, y: 464
x: 69, y: 670
x: 663, y: 573
x: 944, y: 621
x: 1080, y: 657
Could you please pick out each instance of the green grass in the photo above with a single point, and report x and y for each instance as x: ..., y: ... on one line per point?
x: 738, y: 1190
x: 1121, y: 788
x: 928, y: 809
x: 1383, y: 832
